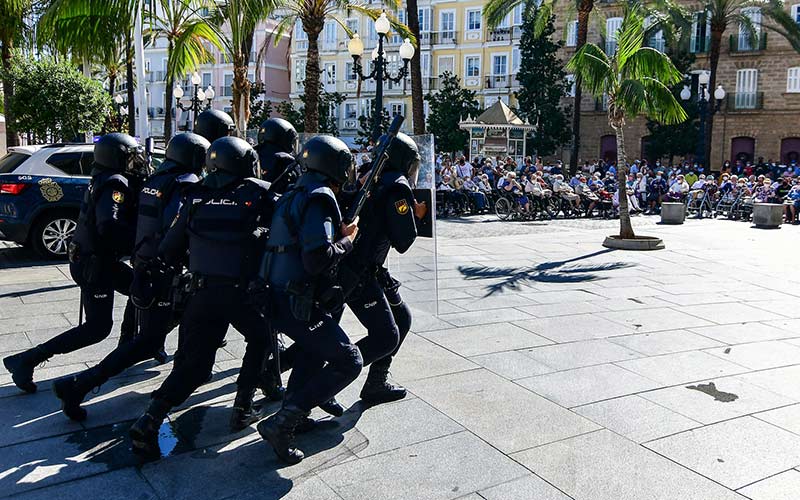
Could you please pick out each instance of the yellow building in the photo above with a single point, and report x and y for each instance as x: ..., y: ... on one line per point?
x: 453, y: 38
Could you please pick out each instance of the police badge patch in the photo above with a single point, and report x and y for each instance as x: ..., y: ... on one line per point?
x: 118, y: 197
x: 51, y: 191
x: 401, y: 206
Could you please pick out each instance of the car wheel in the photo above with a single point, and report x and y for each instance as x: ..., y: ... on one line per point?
x: 51, y: 235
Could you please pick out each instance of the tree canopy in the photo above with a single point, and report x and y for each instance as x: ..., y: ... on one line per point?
x: 448, y: 106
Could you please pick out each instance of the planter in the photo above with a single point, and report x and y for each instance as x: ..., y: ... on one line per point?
x: 673, y: 213
x: 767, y: 215
x: 639, y: 243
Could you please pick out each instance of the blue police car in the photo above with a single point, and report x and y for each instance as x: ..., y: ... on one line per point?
x: 41, y: 189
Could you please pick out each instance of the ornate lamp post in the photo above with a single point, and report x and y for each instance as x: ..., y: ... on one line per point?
x: 198, y: 96
x: 379, y: 72
x: 122, y: 110
x: 703, y: 99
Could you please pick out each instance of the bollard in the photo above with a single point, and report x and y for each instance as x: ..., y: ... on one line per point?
x: 767, y: 215
x: 673, y: 213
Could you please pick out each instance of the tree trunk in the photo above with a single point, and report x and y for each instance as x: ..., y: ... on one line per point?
x: 130, y: 79
x: 112, y: 84
x: 584, y: 10
x: 625, y: 226
x: 311, y: 85
x: 12, y: 138
x: 713, y: 61
x: 417, y: 106
x: 241, y: 86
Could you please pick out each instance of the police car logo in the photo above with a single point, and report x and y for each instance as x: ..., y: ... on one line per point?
x: 50, y: 190
x: 118, y: 197
x: 401, y: 207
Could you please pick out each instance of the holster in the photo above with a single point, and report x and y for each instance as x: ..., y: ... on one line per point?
x: 183, y: 286
x: 301, y: 300
x: 258, y: 296
x: 386, y: 281
x: 94, y: 267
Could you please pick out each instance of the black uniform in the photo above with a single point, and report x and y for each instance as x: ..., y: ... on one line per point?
x: 277, y: 140
x: 158, y: 205
x: 219, y: 224
x: 105, y: 233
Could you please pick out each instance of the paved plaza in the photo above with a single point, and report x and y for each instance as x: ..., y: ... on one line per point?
x: 550, y: 369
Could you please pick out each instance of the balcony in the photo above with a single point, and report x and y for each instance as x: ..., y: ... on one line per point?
x: 743, y: 43
x: 425, y: 38
x: 744, y: 101
x: 497, y: 82
x: 445, y: 37
x: 499, y: 35
x: 153, y: 112
x: 156, y: 76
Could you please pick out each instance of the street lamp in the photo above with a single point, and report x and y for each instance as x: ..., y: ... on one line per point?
x: 122, y: 109
x: 198, y: 96
x: 703, y: 98
x: 379, y: 73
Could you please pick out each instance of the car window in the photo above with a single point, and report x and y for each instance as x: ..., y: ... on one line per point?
x: 86, y: 162
x: 11, y: 161
x: 69, y: 163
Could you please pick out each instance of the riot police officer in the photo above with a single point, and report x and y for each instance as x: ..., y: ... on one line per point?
x: 158, y: 205
x: 105, y: 233
x: 220, y: 225
x: 213, y: 124
x: 307, y: 240
x: 277, y: 141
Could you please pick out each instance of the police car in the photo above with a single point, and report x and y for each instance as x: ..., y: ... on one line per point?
x: 41, y: 189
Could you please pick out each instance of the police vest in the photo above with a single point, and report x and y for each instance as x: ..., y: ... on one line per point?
x: 86, y: 236
x: 224, y: 229
x: 158, y: 204
x: 283, y: 261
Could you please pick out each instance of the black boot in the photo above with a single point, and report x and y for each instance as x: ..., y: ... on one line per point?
x: 332, y: 407
x: 144, y: 432
x: 21, y: 366
x: 72, y: 390
x: 377, y: 389
x: 161, y: 356
x: 243, y: 412
x: 278, y: 430
x: 305, y: 425
x: 270, y: 384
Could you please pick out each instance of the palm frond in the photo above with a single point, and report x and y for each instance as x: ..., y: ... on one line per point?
x: 661, y: 103
x: 630, y: 36
x: 495, y: 11
x: 594, y: 67
x: 649, y: 62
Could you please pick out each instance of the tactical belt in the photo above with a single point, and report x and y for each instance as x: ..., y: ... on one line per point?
x: 200, y: 281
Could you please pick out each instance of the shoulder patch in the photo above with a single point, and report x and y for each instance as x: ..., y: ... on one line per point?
x: 118, y: 196
x: 401, y: 206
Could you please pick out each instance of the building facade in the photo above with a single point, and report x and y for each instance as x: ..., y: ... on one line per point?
x: 761, y: 79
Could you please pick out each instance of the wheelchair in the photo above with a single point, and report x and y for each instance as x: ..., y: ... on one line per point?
x: 507, y: 207
x: 700, y: 202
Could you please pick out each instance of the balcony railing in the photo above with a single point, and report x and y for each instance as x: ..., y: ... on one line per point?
x: 699, y: 44
x: 742, y: 101
x: 497, y: 82
x: 153, y: 112
x: 156, y: 76
x: 425, y: 38
x: 499, y: 35
x: 445, y: 37
x: 743, y: 43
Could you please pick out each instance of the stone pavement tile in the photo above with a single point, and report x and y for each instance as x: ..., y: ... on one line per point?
x: 31, y: 310
x: 492, y: 302
x: 27, y: 417
x: 698, y: 286
x: 305, y: 488
x: 481, y: 339
x: 14, y: 342
x: 624, y: 292
x: 760, y: 355
x: 734, y: 453
x: 790, y: 325
x: 784, y: 486
x: 681, y: 367
x: 572, y: 328
x: 744, y: 332
x: 783, y: 308
x: 694, y: 300
x: 787, y: 418
x: 664, y: 342
x: 724, y: 314
x: 511, y: 364
x: 651, y: 320
x: 423, y: 321
x: 124, y: 484
x: 529, y: 487
x: 793, y: 341
x: 605, y: 466
x: 710, y: 406
x: 444, y: 307
x: 443, y: 468
x: 784, y: 381
x: 421, y: 358
x: 471, y: 318
x: 562, y: 309
x: 63, y: 292
x: 631, y: 303
x: 31, y: 275
x: 484, y: 403
x: 772, y: 296
x: 23, y: 324
x: 581, y: 353
x: 636, y: 418
x: 454, y: 293
x: 42, y: 376
x: 587, y: 385
x: 561, y: 297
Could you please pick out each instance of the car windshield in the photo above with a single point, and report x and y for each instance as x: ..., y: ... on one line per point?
x: 11, y: 161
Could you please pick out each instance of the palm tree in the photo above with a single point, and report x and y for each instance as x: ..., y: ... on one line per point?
x: 720, y: 14
x: 186, y: 34
x: 240, y: 18
x: 635, y: 80
x: 312, y: 14
x: 417, y: 105
x: 12, y: 27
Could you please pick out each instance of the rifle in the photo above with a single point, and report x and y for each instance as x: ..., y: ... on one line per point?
x: 378, y: 163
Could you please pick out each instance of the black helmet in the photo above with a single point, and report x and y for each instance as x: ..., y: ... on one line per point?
x: 188, y: 150
x: 117, y: 152
x: 327, y: 155
x: 232, y: 155
x: 403, y: 155
x: 279, y: 132
x: 213, y: 124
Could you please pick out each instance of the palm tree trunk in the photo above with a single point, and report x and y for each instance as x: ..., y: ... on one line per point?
x: 713, y: 62
x: 417, y: 107
x: 12, y: 138
x: 311, y: 85
x: 584, y: 10
x: 112, y: 83
x: 241, y: 97
x: 625, y: 226
x: 129, y: 78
